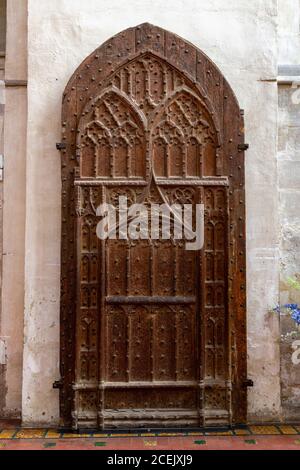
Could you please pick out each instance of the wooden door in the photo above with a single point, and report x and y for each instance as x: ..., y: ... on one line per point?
x: 152, y: 335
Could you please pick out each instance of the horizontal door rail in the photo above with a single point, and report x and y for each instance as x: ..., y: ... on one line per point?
x: 150, y: 300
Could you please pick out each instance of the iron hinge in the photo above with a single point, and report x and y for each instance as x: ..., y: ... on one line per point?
x: 248, y: 383
x: 58, y: 384
x: 243, y: 147
x: 61, y: 146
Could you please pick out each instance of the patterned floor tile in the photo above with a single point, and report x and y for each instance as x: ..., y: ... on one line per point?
x: 289, y: 430
x: 241, y: 432
x: 264, y: 430
x: 52, y: 435
x: 259, y: 430
x: 31, y: 434
x: 7, y: 433
x: 150, y: 443
x: 270, y: 442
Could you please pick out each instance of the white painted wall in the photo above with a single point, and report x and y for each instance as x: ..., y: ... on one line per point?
x: 240, y: 37
x: 289, y: 32
x: 14, y: 208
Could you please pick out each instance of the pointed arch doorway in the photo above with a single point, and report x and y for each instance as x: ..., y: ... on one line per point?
x: 152, y: 335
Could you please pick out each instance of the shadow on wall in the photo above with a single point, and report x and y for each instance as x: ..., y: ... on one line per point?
x: 2, y: 25
x: 3, y: 388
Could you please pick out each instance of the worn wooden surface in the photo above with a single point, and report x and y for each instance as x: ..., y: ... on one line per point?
x: 152, y: 335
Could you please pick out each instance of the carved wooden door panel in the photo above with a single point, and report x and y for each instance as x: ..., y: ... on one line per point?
x: 152, y: 335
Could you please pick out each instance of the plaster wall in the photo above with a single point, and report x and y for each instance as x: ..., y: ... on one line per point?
x: 240, y: 37
x: 289, y: 199
x: 2, y: 105
x: 288, y: 32
x: 15, y: 125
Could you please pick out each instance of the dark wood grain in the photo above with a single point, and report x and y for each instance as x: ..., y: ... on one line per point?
x: 152, y: 335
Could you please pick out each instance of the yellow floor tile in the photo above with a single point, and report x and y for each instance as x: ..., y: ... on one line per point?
x: 150, y: 443
x: 241, y: 432
x: 289, y: 430
x: 30, y: 434
x: 7, y: 433
x: 52, y: 435
x: 264, y: 430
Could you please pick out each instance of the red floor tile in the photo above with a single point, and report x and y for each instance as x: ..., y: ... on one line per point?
x: 158, y: 443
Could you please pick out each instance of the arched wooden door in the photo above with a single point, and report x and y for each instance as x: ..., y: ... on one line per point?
x: 152, y: 335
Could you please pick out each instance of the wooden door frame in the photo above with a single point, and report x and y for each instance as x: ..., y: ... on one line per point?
x: 217, y: 94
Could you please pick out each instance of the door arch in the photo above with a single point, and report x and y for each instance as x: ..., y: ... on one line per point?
x: 152, y: 335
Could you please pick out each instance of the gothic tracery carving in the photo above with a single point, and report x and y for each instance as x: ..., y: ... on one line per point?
x: 145, y: 117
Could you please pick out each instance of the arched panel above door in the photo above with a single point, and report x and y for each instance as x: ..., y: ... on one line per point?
x: 188, y: 129
x: 111, y: 138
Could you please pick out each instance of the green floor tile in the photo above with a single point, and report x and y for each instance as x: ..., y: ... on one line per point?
x: 250, y: 441
x: 100, y: 444
x: 48, y: 445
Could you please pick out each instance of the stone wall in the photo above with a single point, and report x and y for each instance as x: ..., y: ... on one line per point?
x: 15, y: 123
x: 3, y: 389
x: 289, y: 196
x: 289, y: 185
x: 240, y: 37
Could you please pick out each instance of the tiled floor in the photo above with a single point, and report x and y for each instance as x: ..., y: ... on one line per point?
x: 159, y: 443
x: 252, y: 438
